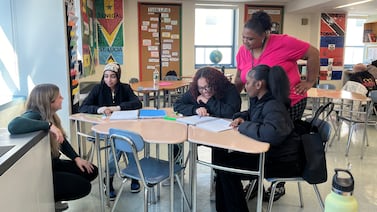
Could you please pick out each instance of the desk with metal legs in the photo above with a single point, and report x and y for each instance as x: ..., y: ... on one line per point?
x: 317, y: 94
x: 157, y: 131
x: 231, y: 140
x: 146, y: 87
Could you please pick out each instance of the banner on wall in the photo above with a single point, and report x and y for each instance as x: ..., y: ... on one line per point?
x: 89, y: 43
x: 332, y: 45
x: 109, y: 16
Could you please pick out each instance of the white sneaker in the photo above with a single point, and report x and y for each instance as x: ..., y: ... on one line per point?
x: 61, y: 206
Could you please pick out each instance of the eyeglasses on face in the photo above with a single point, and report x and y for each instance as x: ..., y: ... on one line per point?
x: 206, y: 88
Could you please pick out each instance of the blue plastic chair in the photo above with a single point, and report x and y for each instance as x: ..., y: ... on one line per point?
x: 149, y: 170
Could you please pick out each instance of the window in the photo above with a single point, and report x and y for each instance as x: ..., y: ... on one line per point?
x: 354, y: 46
x: 214, y: 30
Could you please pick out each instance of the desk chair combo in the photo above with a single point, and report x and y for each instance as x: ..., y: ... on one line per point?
x: 149, y: 170
x: 354, y: 113
x: 324, y: 128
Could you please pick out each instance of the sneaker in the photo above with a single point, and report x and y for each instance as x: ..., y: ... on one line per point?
x: 112, y: 194
x: 279, y: 192
x: 61, y: 206
x: 135, y: 186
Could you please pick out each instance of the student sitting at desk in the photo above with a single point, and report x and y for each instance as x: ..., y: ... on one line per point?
x: 210, y: 94
x: 361, y: 75
x: 71, y: 178
x: 109, y: 96
x: 267, y: 120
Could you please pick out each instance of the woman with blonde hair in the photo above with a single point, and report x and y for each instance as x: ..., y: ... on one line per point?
x: 71, y: 178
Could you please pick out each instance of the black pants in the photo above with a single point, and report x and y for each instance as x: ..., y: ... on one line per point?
x: 69, y: 181
x: 229, y: 189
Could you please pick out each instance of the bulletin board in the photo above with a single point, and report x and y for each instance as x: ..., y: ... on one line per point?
x: 276, y: 13
x: 159, y: 39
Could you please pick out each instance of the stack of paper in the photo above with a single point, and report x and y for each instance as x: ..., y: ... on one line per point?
x: 207, y: 122
x: 124, y: 115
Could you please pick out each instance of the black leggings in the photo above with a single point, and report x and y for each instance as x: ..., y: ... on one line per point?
x: 69, y: 181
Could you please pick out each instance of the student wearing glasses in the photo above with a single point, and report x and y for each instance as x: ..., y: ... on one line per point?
x: 210, y: 94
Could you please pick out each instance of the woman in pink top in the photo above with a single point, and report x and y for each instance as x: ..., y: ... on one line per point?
x: 262, y: 47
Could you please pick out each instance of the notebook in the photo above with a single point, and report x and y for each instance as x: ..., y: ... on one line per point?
x: 124, y: 115
x: 207, y: 122
x: 151, y: 113
x: 194, y: 120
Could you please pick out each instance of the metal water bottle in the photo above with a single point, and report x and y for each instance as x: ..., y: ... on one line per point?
x: 156, y: 78
x: 340, y: 199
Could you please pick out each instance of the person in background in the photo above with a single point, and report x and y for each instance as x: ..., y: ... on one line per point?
x: 210, y: 94
x: 71, y: 178
x: 260, y: 46
x: 266, y: 120
x: 372, y: 68
x: 362, y: 76
x: 108, y: 96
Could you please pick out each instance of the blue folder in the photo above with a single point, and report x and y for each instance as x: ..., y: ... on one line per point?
x: 151, y: 113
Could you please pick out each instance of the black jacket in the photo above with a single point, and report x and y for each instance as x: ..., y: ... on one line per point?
x: 268, y: 120
x: 225, y: 107
x: 101, y: 96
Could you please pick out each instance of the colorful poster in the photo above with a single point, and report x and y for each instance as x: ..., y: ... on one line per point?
x: 109, y: 16
x: 332, y: 45
x: 89, y: 43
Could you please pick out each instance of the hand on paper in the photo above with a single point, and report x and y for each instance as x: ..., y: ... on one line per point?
x: 202, y: 111
x: 236, y: 122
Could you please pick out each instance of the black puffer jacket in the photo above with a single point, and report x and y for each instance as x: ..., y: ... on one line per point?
x: 268, y: 120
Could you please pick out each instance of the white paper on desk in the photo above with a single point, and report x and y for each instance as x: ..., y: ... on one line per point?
x: 194, y: 120
x: 124, y: 115
x: 216, y: 125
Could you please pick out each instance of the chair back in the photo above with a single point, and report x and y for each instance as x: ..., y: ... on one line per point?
x: 355, y: 87
x: 326, y: 86
x: 170, y: 78
x: 373, y: 96
x: 133, y: 80
x: 125, y: 140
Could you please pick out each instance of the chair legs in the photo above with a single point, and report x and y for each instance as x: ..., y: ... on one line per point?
x: 298, y: 180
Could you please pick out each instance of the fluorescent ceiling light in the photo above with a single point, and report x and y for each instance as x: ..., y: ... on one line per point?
x: 353, y: 4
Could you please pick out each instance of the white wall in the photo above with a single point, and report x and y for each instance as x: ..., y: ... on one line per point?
x: 39, y: 39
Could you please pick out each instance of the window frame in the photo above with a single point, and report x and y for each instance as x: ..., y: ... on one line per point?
x: 232, y: 47
x: 362, y: 46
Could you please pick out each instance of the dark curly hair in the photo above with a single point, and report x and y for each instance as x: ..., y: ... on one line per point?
x: 215, y: 79
x: 259, y: 22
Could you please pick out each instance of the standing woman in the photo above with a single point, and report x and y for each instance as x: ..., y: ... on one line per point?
x: 71, y: 178
x: 108, y: 96
x: 266, y: 120
x: 262, y: 47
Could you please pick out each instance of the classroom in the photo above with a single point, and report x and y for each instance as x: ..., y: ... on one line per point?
x: 70, y: 42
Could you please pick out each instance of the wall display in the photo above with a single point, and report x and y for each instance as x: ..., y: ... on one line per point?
x: 109, y: 19
x: 73, y: 73
x: 276, y: 13
x: 89, y: 41
x: 332, y: 45
x: 159, y: 39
